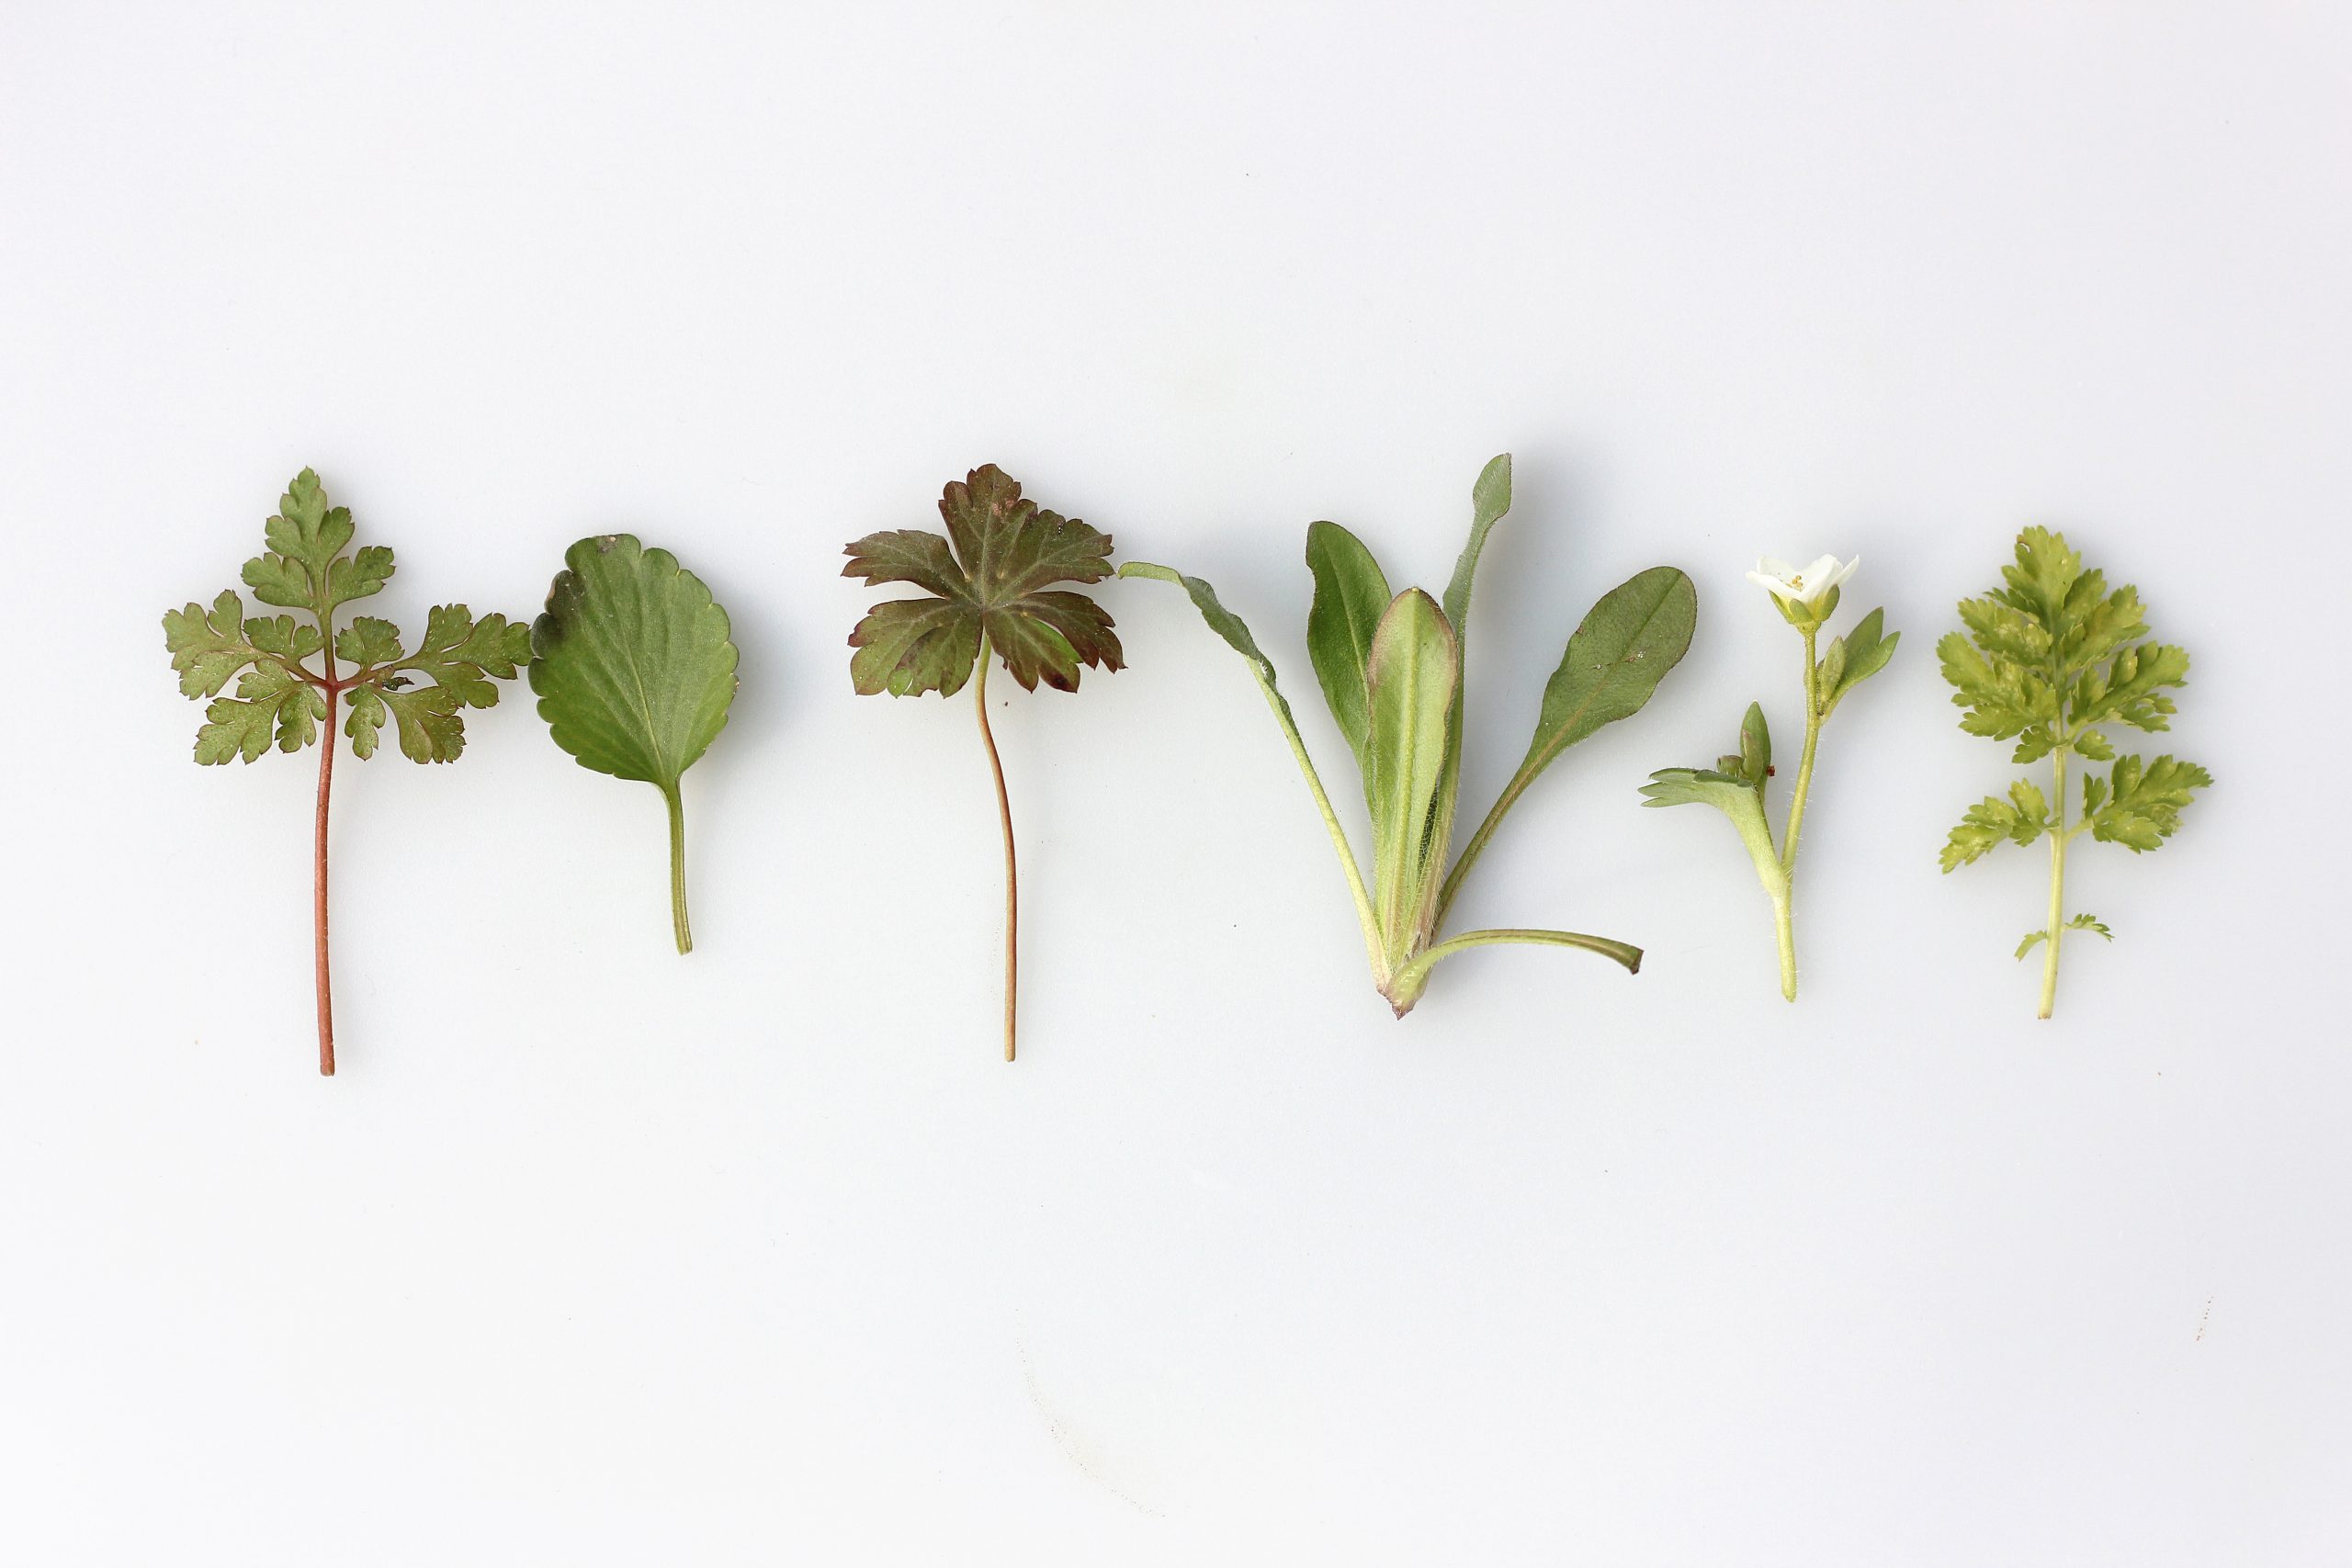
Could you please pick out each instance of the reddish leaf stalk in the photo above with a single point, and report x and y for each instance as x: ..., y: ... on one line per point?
x: 1011, y: 874
x: 319, y: 884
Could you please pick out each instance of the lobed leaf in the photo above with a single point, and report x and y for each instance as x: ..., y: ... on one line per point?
x: 990, y: 580
x: 2145, y: 801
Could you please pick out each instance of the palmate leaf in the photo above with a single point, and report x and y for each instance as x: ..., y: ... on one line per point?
x: 987, y: 578
x: 634, y: 667
x: 987, y: 587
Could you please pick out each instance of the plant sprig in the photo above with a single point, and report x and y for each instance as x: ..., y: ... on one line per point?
x: 987, y: 590
x: 283, y: 700
x: 2049, y: 660
x: 1391, y: 670
x: 1736, y: 784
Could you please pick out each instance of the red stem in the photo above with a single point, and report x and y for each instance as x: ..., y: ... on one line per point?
x: 319, y: 900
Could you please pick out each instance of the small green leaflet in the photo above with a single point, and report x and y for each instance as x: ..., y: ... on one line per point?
x: 293, y: 672
x: 2049, y: 660
x: 635, y: 671
x: 1391, y: 666
x: 988, y: 588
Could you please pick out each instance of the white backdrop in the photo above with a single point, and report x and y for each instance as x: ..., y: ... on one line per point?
x: 595, y: 1255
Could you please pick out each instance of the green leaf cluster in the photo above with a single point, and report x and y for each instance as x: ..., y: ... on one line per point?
x: 2051, y: 659
x: 287, y: 669
x: 1391, y: 666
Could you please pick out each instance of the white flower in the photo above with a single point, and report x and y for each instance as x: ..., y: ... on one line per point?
x: 1804, y: 587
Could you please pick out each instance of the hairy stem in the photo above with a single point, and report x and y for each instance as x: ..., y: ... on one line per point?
x: 319, y: 881
x: 1784, y: 927
x: 1477, y: 844
x: 1783, y: 901
x: 678, y: 869
x: 2058, y: 837
x: 1011, y: 873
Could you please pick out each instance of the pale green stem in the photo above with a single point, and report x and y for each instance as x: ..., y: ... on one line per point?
x: 1477, y: 844
x: 1410, y: 978
x: 678, y: 869
x: 1332, y: 825
x: 1783, y: 912
x: 2058, y: 838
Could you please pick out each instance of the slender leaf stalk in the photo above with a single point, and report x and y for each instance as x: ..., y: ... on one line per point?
x: 319, y: 869
x: 678, y: 922
x: 1339, y: 844
x: 1011, y: 872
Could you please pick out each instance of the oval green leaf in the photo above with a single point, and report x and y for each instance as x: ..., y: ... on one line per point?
x: 634, y: 672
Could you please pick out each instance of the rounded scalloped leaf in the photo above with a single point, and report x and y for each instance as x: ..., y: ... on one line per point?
x: 632, y: 662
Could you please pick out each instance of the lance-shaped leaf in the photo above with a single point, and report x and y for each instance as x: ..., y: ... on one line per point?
x: 1414, y: 674
x: 993, y: 584
x: 1351, y: 595
x: 634, y: 670
x: 1391, y: 667
x: 1621, y: 650
x: 988, y: 588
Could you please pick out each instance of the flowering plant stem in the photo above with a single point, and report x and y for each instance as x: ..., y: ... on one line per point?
x: 1736, y: 784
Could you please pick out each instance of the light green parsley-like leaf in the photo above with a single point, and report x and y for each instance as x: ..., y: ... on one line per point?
x: 2079, y: 924
x: 2146, y: 801
x: 2021, y: 818
x: 987, y: 578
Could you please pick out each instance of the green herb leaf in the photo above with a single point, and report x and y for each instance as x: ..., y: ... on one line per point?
x: 1623, y: 648
x: 1413, y: 675
x: 1390, y: 666
x: 635, y: 671
x: 992, y: 585
x: 283, y: 698
x: 986, y: 586
x: 2048, y: 659
x: 1351, y: 595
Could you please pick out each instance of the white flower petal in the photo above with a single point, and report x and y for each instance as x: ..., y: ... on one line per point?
x: 1776, y: 587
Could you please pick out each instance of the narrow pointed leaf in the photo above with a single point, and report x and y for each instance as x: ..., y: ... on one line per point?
x: 1415, y: 671
x: 1626, y: 643
x: 1351, y: 595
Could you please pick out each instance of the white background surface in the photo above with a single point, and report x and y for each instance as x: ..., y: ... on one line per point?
x: 593, y: 1255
